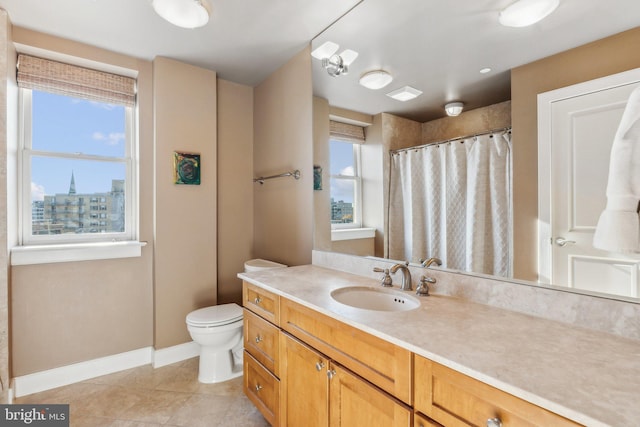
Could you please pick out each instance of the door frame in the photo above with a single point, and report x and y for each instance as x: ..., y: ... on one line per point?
x: 545, y: 103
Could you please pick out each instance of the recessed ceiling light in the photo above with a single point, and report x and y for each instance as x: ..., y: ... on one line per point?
x: 527, y: 12
x: 485, y: 70
x: 376, y: 79
x: 183, y: 13
x: 405, y: 94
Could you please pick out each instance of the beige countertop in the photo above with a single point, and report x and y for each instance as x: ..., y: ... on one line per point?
x: 590, y: 377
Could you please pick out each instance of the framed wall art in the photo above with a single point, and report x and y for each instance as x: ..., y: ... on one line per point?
x: 186, y: 168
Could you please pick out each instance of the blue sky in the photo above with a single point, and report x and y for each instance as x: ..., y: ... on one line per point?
x: 63, y: 124
x: 341, y: 162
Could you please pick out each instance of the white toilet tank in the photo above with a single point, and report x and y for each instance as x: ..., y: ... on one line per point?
x: 260, y: 264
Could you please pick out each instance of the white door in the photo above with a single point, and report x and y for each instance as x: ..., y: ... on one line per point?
x: 581, y: 134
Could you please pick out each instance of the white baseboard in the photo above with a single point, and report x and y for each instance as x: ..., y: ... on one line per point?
x: 176, y: 353
x: 65, y: 375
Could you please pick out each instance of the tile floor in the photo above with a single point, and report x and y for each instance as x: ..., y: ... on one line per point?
x: 147, y: 397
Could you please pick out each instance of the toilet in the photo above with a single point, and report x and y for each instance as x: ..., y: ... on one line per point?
x: 218, y: 331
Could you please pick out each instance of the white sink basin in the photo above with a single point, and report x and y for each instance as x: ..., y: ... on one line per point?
x: 379, y: 299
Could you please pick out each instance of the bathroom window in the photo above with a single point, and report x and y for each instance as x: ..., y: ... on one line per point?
x: 77, y: 143
x: 345, y: 184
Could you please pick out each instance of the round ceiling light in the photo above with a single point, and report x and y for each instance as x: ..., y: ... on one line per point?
x: 376, y: 79
x: 527, y: 12
x: 454, y: 108
x: 183, y: 13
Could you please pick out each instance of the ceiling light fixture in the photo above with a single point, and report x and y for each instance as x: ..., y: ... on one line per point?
x: 376, y: 79
x: 405, y: 93
x: 183, y: 13
x: 527, y: 12
x: 336, y: 65
x: 453, y: 108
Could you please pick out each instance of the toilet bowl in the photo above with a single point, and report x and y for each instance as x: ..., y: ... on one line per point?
x: 218, y: 331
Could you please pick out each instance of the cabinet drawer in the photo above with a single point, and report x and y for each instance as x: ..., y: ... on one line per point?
x: 380, y: 362
x: 261, y: 302
x: 261, y: 341
x: 454, y: 399
x: 262, y: 388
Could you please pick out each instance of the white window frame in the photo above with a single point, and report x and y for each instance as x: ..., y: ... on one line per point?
x: 74, y: 247
x: 357, y: 188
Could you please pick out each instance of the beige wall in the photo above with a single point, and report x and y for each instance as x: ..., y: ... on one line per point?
x: 6, y: 64
x: 186, y: 215
x: 70, y: 312
x: 283, y: 141
x: 496, y: 116
x: 235, y: 186
x: 598, y: 59
x: 321, y: 198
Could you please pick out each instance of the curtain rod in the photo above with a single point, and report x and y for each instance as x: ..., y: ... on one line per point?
x: 417, y: 147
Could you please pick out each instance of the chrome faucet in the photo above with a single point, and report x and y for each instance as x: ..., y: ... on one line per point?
x: 427, y: 262
x: 406, y: 275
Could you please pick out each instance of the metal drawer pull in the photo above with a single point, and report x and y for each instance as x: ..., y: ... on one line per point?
x: 494, y: 422
x: 258, y: 339
x: 332, y: 373
x: 319, y: 366
x: 257, y: 300
x: 258, y: 387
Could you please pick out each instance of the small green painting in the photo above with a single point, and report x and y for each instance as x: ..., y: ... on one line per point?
x: 186, y: 168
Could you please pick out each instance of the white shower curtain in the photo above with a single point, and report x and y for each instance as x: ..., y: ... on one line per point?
x: 453, y: 201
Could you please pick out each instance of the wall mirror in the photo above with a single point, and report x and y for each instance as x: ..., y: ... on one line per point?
x: 444, y: 51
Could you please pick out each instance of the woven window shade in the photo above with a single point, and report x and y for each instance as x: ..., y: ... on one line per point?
x: 346, y: 132
x: 71, y: 80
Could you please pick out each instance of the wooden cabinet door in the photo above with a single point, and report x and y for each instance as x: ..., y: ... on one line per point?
x: 304, y: 384
x: 355, y: 402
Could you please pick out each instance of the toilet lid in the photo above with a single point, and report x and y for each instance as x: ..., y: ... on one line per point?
x: 216, y: 315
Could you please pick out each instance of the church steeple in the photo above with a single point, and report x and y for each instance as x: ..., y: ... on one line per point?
x: 72, y: 186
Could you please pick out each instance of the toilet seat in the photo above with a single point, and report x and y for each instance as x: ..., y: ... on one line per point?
x: 217, y: 315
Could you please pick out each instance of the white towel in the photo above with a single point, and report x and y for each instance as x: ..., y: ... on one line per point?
x: 618, y: 228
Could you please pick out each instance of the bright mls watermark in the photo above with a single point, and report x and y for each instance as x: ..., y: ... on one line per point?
x: 34, y: 415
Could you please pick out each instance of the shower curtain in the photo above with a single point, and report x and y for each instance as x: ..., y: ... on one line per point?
x: 453, y: 201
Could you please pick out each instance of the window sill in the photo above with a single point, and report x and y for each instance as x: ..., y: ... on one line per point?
x: 352, y: 233
x: 45, y: 254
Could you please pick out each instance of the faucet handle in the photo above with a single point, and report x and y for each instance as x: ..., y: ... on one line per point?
x: 386, y: 281
x: 423, y: 287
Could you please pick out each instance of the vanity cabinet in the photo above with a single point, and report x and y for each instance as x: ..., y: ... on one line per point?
x: 305, y: 368
x: 318, y: 392
x: 382, y: 363
x: 261, y: 351
x: 454, y: 399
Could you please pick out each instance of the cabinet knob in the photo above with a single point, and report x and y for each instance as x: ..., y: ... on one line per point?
x: 332, y: 373
x: 258, y: 387
x: 319, y: 366
x: 257, y: 300
x: 494, y: 422
x: 258, y: 339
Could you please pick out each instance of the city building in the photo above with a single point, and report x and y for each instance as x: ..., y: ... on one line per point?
x: 80, y: 213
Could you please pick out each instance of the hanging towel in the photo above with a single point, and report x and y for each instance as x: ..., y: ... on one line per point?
x: 618, y: 228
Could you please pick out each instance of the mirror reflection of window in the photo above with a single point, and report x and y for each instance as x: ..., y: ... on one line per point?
x: 345, y: 184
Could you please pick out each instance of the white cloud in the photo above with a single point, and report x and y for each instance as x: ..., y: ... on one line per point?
x: 347, y: 171
x: 114, y: 138
x: 37, y: 191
